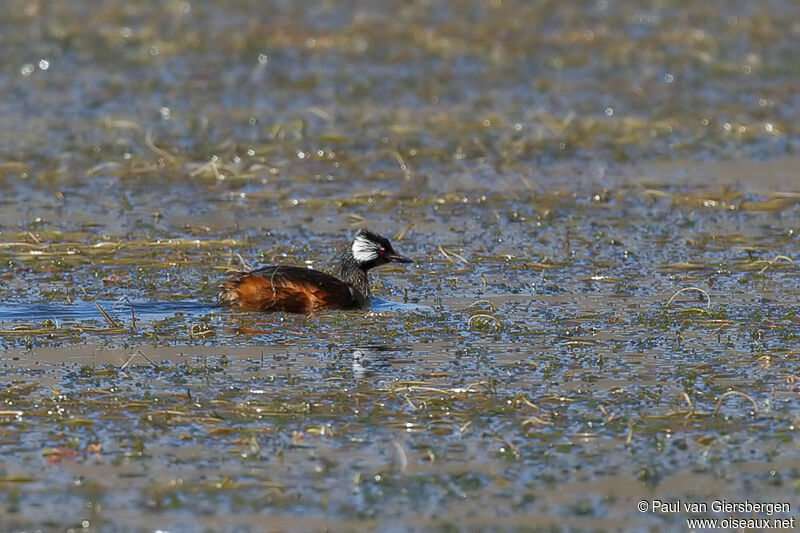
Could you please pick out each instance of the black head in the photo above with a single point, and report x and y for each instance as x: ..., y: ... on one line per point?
x: 370, y: 250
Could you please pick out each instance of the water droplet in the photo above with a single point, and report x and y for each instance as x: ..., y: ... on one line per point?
x: 609, y: 111
x: 44, y: 64
x: 27, y: 69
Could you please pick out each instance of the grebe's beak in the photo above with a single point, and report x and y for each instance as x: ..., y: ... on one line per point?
x: 397, y: 258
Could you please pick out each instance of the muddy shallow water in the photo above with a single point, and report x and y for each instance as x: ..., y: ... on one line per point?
x: 558, y: 171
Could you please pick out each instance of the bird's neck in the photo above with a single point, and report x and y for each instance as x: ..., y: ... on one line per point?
x: 355, y: 276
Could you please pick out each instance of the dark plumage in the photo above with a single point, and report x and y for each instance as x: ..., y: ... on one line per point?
x: 302, y: 290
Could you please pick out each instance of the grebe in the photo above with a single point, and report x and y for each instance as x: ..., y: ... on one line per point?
x: 301, y: 290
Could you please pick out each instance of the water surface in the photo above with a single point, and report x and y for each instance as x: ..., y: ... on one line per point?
x: 558, y: 171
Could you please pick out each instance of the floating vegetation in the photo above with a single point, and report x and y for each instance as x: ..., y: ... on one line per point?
x: 690, y: 289
x: 777, y: 258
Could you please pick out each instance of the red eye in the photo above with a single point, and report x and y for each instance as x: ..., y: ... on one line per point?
x: 381, y: 251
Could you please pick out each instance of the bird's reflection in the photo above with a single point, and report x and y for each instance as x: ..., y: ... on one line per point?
x: 361, y: 363
x: 372, y: 360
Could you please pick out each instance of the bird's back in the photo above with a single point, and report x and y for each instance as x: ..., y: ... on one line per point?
x: 287, y: 288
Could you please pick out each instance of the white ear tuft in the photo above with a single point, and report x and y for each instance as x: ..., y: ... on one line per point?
x: 364, y: 249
